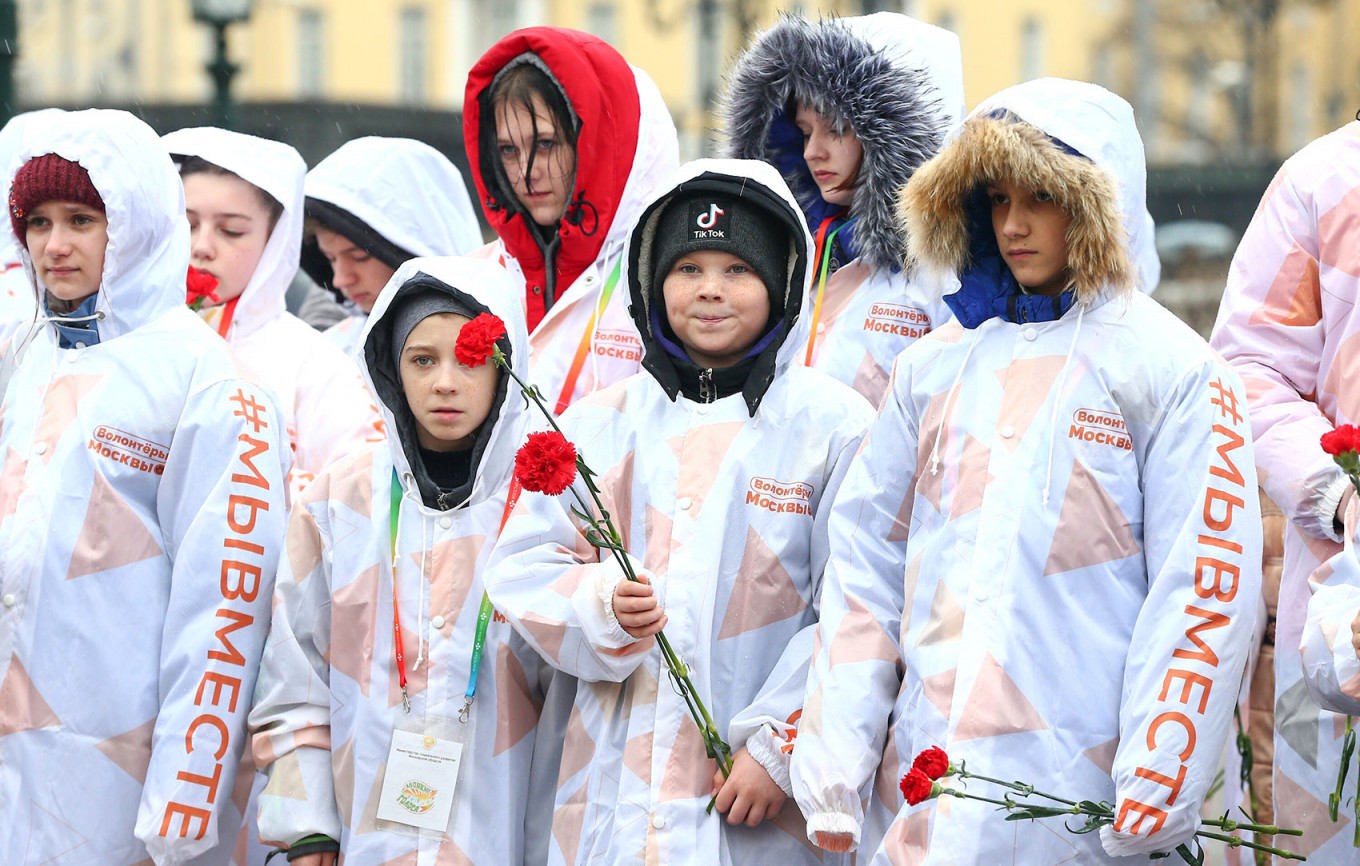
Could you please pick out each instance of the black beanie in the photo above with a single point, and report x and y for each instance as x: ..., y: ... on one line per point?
x: 411, y: 308
x: 704, y: 221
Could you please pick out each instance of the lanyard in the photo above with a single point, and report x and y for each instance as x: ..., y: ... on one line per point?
x: 574, y: 373
x: 822, y: 255
x: 228, y: 313
x: 483, y: 613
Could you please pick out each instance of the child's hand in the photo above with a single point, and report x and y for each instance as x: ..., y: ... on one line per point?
x: 749, y: 795
x: 636, y: 607
x: 1355, y: 635
x: 326, y: 859
x: 836, y: 843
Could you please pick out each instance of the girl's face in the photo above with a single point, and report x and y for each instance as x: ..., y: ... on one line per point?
x: 717, y: 305
x: 359, y: 276
x: 449, y: 401
x: 1031, y: 232
x: 832, y: 155
x: 537, y: 159
x: 228, y: 229
x: 66, y: 241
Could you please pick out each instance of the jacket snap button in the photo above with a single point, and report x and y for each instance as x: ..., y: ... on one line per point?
x: 683, y: 503
x: 40, y: 448
x: 538, y: 290
x: 1007, y: 432
x: 1030, y: 334
x: 437, y: 622
x: 445, y: 522
x: 658, y: 822
x: 8, y: 599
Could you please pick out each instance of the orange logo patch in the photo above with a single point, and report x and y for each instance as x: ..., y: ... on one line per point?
x: 1100, y: 427
x: 618, y: 344
x: 780, y: 497
x: 897, y: 319
x: 129, y: 450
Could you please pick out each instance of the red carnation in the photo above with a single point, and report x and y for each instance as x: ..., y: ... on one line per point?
x: 546, y: 462
x: 917, y: 787
x: 1342, y: 439
x: 476, y: 344
x: 933, y: 763
x: 201, y: 286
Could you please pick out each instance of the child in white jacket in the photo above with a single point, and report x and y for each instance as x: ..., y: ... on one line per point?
x: 716, y: 463
x: 400, y: 533
x: 1046, y: 558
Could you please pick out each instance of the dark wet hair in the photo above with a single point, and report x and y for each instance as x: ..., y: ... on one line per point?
x: 198, y: 165
x: 517, y: 86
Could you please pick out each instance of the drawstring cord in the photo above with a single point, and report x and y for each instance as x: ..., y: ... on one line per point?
x: 1057, y: 400
x: 11, y: 360
x: 949, y: 401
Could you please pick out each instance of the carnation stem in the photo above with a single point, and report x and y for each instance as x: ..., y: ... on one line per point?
x: 708, y: 729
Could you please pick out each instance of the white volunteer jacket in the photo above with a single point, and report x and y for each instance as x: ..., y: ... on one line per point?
x: 1331, y: 664
x: 329, y: 693
x: 404, y: 190
x: 329, y: 413
x: 727, y: 511
x: 142, y: 511
x: 1074, y: 491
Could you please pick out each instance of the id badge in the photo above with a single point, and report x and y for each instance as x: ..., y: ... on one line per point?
x: 420, y: 781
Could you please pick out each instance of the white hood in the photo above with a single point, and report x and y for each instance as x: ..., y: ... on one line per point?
x: 278, y: 169
x: 912, y: 44
x: 1100, y: 126
x: 405, y: 190
x: 148, y: 252
x: 488, y: 284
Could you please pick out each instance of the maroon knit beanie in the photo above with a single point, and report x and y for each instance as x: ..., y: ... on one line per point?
x: 48, y: 178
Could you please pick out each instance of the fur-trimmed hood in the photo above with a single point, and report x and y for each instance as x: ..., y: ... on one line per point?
x: 896, y: 81
x: 1075, y: 140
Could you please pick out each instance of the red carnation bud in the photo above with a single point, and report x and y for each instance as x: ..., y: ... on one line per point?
x: 933, y: 763
x: 201, y: 287
x: 477, y: 342
x: 917, y: 787
x: 546, y: 463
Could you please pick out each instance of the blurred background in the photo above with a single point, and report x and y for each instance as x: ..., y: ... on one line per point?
x: 1224, y: 90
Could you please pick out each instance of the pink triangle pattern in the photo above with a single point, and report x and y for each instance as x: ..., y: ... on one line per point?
x: 1336, y: 235
x: 342, y: 768
x: 996, y: 706
x: 1025, y: 383
x: 1102, y: 755
x: 567, y: 822
x: 763, y: 593
x: 578, y: 750
x: 11, y: 483
x: 450, y: 854
x: 547, y: 633
x: 702, y: 457
x: 59, y: 409
x: 689, y: 770
x: 112, y: 535
x: 871, y: 380
x: 939, y: 690
x: 354, y: 487
x: 637, y: 756
x: 1092, y: 530
x: 131, y: 750
x: 354, y: 611
x: 22, y: 707
x: 1344, y: 371
x: 907, y: 839
x: 516, y: 710
x: 946, y: 618
x: 860, y: 638
x: 451, y: 569
x: 660, y: 545
x: 972, y: 478
x: 1294, y: 298
x: 1295, y: 807
x: 616, y: 491
x: 302, y: 544
x: 417, y: 676
x: 889, y: 774
x: 930, y: 486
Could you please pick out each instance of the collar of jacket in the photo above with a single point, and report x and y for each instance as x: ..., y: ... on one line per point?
x: 71, y: 333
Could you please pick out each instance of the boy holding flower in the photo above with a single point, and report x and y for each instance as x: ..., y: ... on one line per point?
x: 716, y: 464
x: 1046, y: 556
x: 383, y: 642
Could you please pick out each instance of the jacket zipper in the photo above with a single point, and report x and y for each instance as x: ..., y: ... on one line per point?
x: 707, y: 390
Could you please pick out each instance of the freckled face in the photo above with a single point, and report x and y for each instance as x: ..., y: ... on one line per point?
x: 717, y: 306
x: 449, y: 401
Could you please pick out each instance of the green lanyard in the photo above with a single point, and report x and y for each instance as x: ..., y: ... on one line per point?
x: 483, y: 614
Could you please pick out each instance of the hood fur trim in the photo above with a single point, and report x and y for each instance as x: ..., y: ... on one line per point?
x: 933, y: 207
x: 895, y: 112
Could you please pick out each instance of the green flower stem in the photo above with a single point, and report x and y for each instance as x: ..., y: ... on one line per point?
x: 1018, y: 787
x: 708, y: 729
x: 1239, y: 842
x: 1262, y: 829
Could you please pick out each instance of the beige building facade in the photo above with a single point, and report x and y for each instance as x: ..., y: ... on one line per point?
x: 1206, y: 86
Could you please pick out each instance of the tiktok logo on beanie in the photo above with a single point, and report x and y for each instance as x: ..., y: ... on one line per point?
x: 708, y: 219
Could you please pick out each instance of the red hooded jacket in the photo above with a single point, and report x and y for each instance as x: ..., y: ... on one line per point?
x: 599, y: 85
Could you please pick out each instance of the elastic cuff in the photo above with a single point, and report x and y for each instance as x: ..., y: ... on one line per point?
x: 764, y: 746
x: 1327, y: 504
x: 605, y: 582
x: 833, y: 822
x: 317, y: 844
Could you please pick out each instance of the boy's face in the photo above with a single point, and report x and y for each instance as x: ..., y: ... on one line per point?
x: 359, y: 276
x: 1031, y: 232
x: 717, y: 306
x: 66, y: 241
x: 449, y: 401
x: 228, y: 229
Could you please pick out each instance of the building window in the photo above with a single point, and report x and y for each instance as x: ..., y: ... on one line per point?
x: 411, y: 36
x: 1031, y: 49
x: 311, y: 56
x: 602, y: 20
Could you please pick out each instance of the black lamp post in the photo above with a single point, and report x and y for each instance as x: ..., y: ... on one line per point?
x: 218, y: 14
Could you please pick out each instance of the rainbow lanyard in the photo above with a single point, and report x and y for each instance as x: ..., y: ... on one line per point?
x: 574, y: 373
x: 822, y: 253
x: 483, y: 614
